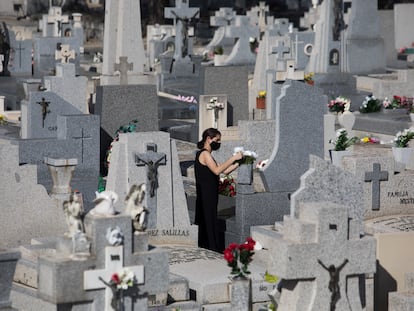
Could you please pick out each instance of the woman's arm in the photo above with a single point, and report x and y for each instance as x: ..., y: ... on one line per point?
x: 207, y: 159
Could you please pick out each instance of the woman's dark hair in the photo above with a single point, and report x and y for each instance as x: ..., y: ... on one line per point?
x: 210, y: 132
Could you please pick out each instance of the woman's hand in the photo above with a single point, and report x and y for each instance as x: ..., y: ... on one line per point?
x: 238, y: 156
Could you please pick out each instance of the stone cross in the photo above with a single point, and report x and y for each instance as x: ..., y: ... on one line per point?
x: 263, y: 9
x: 45, y: 110
x: 222, y: 17
x: 152, y: 160
x: 376, y: 176
x: 114, y: 262
x: 280, y: 49
x: 56, y: 18
x: 64, y: 53
x: 123, y: 67
x: 182, y: 15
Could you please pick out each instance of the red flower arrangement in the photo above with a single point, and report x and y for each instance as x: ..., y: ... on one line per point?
x: 227, y: 186
x: 240, y: 253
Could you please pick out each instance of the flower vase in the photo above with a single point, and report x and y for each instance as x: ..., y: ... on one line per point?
x: 336, y: 156
x: 245, y: 174
x: 402, y: 155
x: 241, y: 293
x: 260, y: 103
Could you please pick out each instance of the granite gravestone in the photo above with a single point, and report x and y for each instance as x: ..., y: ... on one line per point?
x: 221, y: 19
x: 26, y: 201
x: 40, y: 112
x: 122, y: 30
x: 49, y: 260
x: 170, y: 222
x: 20, y: 56
x: 241, y: 30
x: 321, y: 244
x: 44, y: 57
x: 70, y: 87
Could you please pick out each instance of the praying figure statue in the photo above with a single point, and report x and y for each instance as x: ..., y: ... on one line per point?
x: 73, y: 210
x: 334, y: 282
x: 135, y: 208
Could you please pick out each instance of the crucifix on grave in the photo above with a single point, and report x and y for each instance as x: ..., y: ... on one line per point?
x: 335, y: 258
x: 123, y: 67
x: 114, y: 263
x: 183, y: 16
x: 45, y: 109
x: 56, y: 18
x: 376, y: 176
x: 152, y: 160
x: 64, y: 53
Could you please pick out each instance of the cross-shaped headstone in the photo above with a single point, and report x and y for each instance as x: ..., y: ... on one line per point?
x: 182, y: 15
x: 123, y: 67
x: 82, y: 138
x: 222, y: 17
x: 45, y: 109
x: 64, y: 53
x: 152, y: 160
x: 56, y: 18
x: 376, y: 176
x: 280, y: 49
x: 114, y: 262
x: 263, y: 9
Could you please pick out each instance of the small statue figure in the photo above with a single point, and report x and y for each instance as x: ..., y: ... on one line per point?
x: 114, y: 236
x: 334, y: 282
x: 73, y: 210
x: 104, y: 203
x: 135, y: 208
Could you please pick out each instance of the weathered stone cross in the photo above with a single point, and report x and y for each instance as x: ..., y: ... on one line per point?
x: 123, y: 67
x: 376, y: 176
x: 114, y: 262
x: 182, y: 15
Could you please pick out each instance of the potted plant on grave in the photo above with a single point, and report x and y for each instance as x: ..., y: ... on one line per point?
x: 401, y: 150
x: 219, y: 56
x: 341, y: 144
x: 308, y: 78
x: 245, y: 171
x: 370, y: 104
x: 238, y: 257
x: 261, y: 100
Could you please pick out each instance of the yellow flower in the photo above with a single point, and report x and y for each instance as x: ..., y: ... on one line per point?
x: 262, y: 94
x: 308, y: 76
x: 365, y: 139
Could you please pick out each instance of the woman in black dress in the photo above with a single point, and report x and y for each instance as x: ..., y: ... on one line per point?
x: 207, y: 173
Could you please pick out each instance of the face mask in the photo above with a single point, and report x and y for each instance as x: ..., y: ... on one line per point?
x: 215, y: 145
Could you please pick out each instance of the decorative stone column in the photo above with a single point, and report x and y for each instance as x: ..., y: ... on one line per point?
x: 61, y: 171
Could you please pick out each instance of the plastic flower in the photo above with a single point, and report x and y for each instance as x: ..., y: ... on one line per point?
x: 227, y: 185
x: 238, y: 257
x: 370, y: 104
x: 342, y: 142
x: 402, y: 138
x: 369, y: 140
x: 339, y: 104
x: 262, y: 94
x: 214, y: 104
x: 248, y: 156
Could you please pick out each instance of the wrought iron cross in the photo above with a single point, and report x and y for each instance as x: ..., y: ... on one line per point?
x: 45, y: 110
